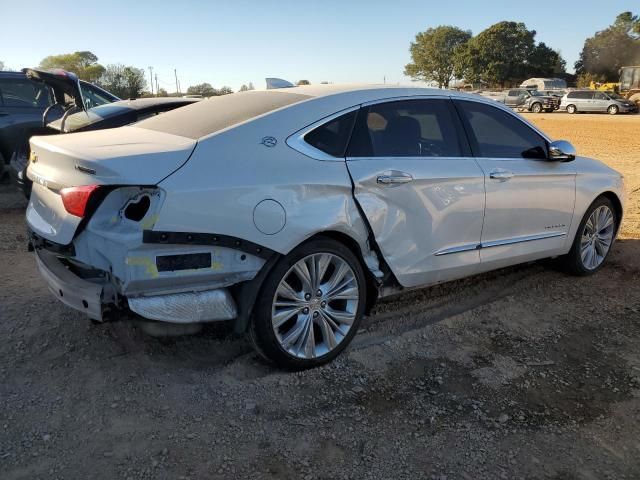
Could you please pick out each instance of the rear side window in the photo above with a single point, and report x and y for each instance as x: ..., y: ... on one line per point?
x: 408, y: 128
x: 17, y: 92
x: 498, y: 134
x: 217, y: 113
x: 333, y: 136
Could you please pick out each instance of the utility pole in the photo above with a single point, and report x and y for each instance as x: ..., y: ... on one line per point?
x: 177, y: 86
x: 157, y: 89
x: 151, y: 78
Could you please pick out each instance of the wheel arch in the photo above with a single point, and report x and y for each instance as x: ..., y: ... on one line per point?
x: 246, y: 293
x: 617, y: 204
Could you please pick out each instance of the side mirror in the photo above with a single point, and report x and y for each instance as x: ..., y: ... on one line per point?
x: 561, y: 151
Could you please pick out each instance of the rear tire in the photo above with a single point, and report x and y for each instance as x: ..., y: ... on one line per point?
x: 310, y: 305
x: 613, y: 110
x: 571, y: 109
x: 594, y: 239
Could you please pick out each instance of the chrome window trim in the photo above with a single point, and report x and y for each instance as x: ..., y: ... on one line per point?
x: 404, y: 98
x: 298, y: 143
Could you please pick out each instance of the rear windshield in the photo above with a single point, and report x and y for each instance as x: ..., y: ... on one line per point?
x: 217, y: 113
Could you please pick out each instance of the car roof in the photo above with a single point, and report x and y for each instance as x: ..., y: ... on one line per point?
x: 303, y: 105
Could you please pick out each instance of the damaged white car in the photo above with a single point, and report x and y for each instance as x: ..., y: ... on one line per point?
x: 291, y: 211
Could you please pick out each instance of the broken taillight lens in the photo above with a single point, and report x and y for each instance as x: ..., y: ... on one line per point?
x: 75, y: 199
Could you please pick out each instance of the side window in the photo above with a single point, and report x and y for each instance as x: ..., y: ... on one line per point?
x: 333, y: 136
x: 600, y: 96
x: 408, y: 128
x: 93, y: 97
x: 24, y: 93
x: 498, y: 134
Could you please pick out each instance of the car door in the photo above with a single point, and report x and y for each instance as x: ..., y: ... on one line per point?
x: 587, y: 99
x: 529, y: 199
x: 418, y: 186
x: 600, y: 102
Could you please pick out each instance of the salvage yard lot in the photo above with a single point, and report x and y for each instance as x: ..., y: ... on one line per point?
x: 520, y: 373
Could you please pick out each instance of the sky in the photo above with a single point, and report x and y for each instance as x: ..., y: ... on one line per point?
x: 241, y: 41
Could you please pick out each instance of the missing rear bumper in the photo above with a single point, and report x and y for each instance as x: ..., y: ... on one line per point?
x: 75, y: 292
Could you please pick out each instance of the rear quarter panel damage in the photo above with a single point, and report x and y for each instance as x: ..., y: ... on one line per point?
x: 231, y: 173
x: 113, y: 243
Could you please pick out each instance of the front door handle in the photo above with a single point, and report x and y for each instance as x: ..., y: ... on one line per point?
x: 396, y: 178
x: 501, y: 175
x: 2, y: 114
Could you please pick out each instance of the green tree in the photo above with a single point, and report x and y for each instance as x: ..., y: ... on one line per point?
x: 303, y: 82
x: 1, y: 65
x: 616, y: 46
x: 506, y: 53
x: 123, y: 81
x: 223, y: 91
x: 434, y: 53
x: 543, y: 61
x: 84, y: 64
x: 204, y: 89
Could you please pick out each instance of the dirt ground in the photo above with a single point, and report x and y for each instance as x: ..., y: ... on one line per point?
x: 523, y: 373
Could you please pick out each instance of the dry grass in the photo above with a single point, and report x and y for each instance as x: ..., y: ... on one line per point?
x: 614, y: 140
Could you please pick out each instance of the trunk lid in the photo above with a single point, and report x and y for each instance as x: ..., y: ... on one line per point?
x: 122, y: 156
x: 58, y: 79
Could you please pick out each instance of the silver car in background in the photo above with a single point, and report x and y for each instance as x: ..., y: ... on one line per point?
x: 596, y: 102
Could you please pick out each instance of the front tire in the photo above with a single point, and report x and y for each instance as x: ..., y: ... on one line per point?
x: 536, y: 107
x: 310, y: 305
x: 594, y: 239
x: 571, y: 109
x: 613, y: 110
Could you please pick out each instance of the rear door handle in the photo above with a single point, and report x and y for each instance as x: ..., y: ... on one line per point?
x: 500, y: 174
x: 395, y: 178
x: 2, y: 114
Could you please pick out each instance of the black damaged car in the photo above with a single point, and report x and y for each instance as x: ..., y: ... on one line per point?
x: 81, y: 115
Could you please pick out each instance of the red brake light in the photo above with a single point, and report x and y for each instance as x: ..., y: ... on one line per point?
x: 75, y: 199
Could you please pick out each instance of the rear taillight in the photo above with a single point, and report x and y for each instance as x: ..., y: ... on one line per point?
x: 75, y: 199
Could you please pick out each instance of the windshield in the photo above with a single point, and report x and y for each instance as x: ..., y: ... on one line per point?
x: 614, y: 96
x: 535, y: 93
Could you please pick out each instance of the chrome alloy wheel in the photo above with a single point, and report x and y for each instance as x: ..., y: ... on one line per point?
x: 597, y: 237
x: 315, y: 305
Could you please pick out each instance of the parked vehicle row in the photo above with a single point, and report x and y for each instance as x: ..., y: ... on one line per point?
x: 596, y: 102
x: 23, y: 102
x: 531, y: 100
x: 291, y: 211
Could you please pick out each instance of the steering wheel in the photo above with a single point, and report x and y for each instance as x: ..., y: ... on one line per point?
x: 430, y: 150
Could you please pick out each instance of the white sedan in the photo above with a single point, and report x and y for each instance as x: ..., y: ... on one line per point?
x: 291, y: 211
